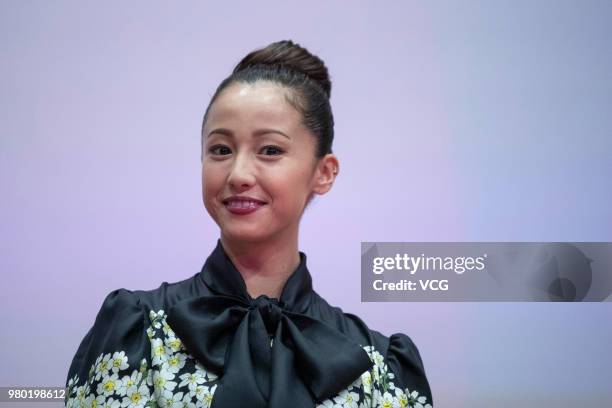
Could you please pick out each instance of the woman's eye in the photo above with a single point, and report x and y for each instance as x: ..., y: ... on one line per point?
x: 219, y: 150
x: 272, y: 150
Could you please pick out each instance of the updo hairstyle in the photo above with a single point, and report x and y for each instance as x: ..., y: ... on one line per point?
x: 303, y: 74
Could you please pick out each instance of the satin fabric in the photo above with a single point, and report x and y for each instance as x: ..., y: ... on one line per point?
x: 266, y: 351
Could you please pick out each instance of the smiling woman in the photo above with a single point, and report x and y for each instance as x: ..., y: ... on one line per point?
x: 249, y: 327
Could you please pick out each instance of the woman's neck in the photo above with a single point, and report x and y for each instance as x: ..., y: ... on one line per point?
x: 264, y: 266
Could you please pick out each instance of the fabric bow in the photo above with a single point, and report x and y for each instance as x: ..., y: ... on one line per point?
x: 265, y: 354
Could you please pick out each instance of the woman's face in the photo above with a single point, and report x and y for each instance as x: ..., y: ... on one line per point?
x: 255, y: 146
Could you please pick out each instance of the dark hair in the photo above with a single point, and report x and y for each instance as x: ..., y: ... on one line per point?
x: 290, y: 65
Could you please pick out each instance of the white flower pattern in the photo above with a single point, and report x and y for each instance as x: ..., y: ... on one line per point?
x: 175, y: 379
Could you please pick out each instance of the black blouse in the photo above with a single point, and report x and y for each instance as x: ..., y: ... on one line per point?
x: 204, y: 342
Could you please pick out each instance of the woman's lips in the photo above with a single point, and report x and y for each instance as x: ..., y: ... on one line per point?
x: 241, y: 207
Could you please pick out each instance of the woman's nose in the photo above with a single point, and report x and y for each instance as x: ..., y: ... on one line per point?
x: 241, y: 172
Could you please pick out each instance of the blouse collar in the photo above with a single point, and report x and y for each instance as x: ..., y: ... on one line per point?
x: 223, y: 278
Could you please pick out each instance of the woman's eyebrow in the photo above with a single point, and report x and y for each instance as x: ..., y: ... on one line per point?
x: 258, y: 132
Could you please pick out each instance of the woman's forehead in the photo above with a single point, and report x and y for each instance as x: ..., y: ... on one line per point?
x: 258, y: 105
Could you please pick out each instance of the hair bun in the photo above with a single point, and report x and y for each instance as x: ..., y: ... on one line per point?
x: 293, y: 56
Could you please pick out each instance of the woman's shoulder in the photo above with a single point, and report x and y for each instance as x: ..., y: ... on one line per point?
x: 113, y: 362
x: 116, y: 343
x: 167, y: 293
x: 120, y: 329
x: 348, y: 323
x: 398, y: 373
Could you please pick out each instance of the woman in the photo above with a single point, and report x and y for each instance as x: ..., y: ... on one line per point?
x: 248, y: 329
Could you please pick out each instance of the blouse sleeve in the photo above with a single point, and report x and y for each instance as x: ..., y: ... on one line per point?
x: 111, y: 366
x: 404, y: 360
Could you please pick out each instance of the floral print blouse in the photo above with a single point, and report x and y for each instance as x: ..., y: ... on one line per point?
x: 204, y: 342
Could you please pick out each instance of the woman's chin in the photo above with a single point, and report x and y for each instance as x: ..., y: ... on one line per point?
x: 245, y: 234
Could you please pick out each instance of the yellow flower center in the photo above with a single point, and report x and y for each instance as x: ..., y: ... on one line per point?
x: 136, y: 397
x: 109, y: 385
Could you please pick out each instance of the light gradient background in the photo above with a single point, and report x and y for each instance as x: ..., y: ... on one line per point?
x: 455, y: 121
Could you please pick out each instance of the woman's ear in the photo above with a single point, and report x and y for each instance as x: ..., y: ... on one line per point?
x: 327, y: 169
